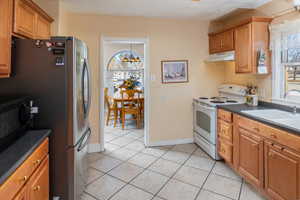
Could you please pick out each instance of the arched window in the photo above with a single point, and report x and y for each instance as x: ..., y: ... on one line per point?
x: 119, y: 71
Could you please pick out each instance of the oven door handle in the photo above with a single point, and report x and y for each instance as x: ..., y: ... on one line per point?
x: 201, y: 107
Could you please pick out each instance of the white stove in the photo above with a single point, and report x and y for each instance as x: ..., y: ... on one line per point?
x: 205, y: 115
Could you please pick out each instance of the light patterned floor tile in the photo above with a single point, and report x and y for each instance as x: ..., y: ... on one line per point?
x: 109, y: 148
x: 155, y: 151
x: 192, y: 176
x: 123, y: 154
x: 186, y: 148
x: 142, y: 160
x: 92, y: 157
x: 135, y: 146
x: 132, y: 193
x: 150, y: 181
x: 126, y: 171
x: 223, y: 169
x: 207, y: 195
x: 175, y: 156
x: 249, y: 193
x: 104, y: 187
x: 222, y: 185
x: 157, y: 198
x: 200, y: 163
x: 93, y: 174
x: 200, y: 153
x: 176, y: 190
x: 86, y: 196
x: 121, y: 141
x: 164, y: 167
x: 109, y: 137
x: 106, y: 163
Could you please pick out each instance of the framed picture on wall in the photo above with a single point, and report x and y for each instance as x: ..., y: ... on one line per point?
x: 174, y: 71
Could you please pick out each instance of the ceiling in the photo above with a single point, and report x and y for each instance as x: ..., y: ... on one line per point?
x: 198, y: 9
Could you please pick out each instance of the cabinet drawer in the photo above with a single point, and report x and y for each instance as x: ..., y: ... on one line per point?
x: 225, y: 150
x: 225, y: 115
x: 225, y: 130
x: 248, y: 124
x: 16, y: 181
x: 280, y: 136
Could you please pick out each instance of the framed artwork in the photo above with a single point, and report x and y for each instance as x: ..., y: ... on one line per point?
x: 174, y: 71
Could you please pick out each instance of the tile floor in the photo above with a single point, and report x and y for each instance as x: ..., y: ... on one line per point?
x: 129, y: 171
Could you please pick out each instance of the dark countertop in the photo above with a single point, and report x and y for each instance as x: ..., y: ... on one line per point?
x: 18, y: 152
x: 237, y: 108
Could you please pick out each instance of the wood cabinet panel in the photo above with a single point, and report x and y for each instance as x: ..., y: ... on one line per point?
x: 214, y: 44
x: 225, y: 130
x: 225, y: 115
x: 38, y: 186
x: 43, y: 28
x: 6, y: 12
x: 248, y: 124
x: 24, y: 19
x: 225, y: 150
x: 22, y: 195
x: 243, y: 49
x: 250, y: 163
x: 282, y: 172
x: 221, y: 42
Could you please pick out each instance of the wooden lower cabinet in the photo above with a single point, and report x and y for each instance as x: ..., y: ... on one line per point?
x: 250, y: 161
x: 282, y: 172
x: 22, y: 195
x: 38, y: 185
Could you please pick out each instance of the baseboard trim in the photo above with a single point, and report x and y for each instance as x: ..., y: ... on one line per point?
x: 94, y: 148
x: 171, y: 142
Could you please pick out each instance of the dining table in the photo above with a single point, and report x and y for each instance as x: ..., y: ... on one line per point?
x: 117, y: 98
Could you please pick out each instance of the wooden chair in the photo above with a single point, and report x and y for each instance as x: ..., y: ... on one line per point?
x: 131, y: 104
x: 112, y: 109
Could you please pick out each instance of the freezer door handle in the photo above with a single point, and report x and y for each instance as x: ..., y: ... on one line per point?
x: 84, y: 140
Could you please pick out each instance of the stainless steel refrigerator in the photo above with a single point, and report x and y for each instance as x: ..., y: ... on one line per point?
x: 55, y: 73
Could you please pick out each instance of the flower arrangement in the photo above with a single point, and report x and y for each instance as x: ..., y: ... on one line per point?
x: 130, y: 83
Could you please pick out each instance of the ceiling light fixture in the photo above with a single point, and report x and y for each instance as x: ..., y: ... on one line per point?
x: 131, y: 58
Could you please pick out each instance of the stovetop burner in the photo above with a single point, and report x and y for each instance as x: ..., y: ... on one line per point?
x: 231, y: 101
x: 203, y: 98
x: 217, y: 101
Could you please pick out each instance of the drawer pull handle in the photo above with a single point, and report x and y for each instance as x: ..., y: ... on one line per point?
x: 37, y: 188
x: 25, y: 178
x: 37, y: 162
x: 272, y: 155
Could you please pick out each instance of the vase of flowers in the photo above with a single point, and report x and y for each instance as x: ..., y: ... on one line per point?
x: 130, y: 83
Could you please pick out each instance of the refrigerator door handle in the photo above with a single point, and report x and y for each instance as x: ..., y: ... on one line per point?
x: 87, y: 87
x: 84, y: 141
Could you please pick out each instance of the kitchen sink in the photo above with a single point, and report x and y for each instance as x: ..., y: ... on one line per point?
x: 278, y: 116
x: 272, y: 114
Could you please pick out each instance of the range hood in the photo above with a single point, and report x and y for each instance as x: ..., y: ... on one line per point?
x: 221, y: 57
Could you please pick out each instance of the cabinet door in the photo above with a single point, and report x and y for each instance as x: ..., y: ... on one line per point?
x: 6, y: 10
x: 43, y: 28
x: 243, y: 49
x: 225, y: 130
x: 25, y: 17
x: 282, y: 172
x: 214, y: 44
x: 22, y: 195
x: 250, y: 162
x: 38, y: 185
x: 227, y: 41
x: 225, y: 150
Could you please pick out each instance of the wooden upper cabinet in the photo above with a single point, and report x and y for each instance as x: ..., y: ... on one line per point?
x: 243, y: 49
x: 250, y: 158
x: 250, y: 38
x: 38, y: 185
x: 282, y: 172
x: 221, y: 42
x: 6, y: 12
x: 30, y: 21
x: 24, y: 19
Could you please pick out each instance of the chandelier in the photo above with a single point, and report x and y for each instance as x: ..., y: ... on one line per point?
x: 131, y: 58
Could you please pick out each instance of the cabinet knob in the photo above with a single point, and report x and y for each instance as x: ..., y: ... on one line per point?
x: 37, y: 188
x: 256, y: 129
x: 37, y: 162
x: 272, y: 155
x: 25, y: 178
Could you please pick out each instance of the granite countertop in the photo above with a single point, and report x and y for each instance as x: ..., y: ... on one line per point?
x: 238, y: 108
x: 18, y: 152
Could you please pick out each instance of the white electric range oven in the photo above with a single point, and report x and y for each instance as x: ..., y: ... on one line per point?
x: 205, y: 116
